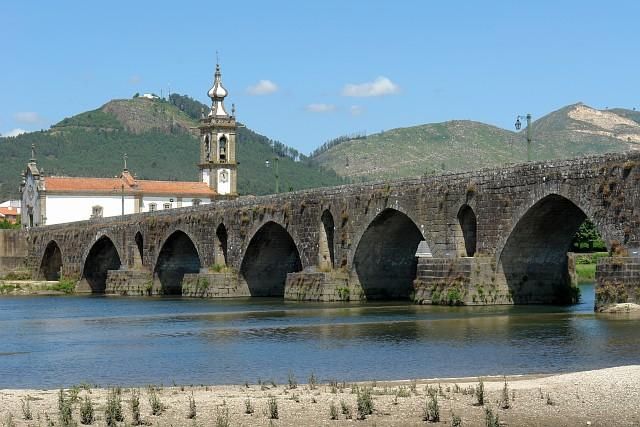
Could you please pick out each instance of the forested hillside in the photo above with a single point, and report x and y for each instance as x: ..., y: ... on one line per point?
x: 158, y: 139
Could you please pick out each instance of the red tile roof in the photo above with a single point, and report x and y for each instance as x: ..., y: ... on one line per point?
x: 74, y: 185
x: 4, y: 212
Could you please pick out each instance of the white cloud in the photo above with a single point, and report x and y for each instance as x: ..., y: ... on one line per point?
x: 320, y: 108
x: 135, y: 79
x: 15, y: 132
x: 263, y: 87
x: 356, y: 110
x: 379, y: 87
x: 28, y: 117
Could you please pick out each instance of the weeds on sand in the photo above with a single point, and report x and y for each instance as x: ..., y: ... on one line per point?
x: 113, y: 410
x: 86, y: 411
x: 272, y: 408
x: 26, y: 408
x: 192, y: 407
x: 480, y: 393
x: 248, y: 406
x: 491, y: 419
x: 333, y: 411
x: 432, y: 409
x: 364, y: 403
x: 154, y: 401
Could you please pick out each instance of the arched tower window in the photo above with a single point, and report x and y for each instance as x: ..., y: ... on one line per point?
x: 207, y: 148
x: 222, y: 144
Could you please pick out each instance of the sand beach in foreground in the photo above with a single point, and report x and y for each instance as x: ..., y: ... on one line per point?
x: 604, y: 397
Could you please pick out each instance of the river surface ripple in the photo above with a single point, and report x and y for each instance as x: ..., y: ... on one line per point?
x: 49, y: 342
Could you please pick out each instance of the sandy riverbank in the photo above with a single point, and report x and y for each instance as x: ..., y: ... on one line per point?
x: 603, y: 397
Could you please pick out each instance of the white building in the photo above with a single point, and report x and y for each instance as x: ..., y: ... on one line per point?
x: 59, y: 199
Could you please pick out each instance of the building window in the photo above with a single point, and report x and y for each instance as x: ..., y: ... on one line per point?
x: 96, y: 211
x: 167, y: 206
x: 152, y: 207
x: 196, y: 202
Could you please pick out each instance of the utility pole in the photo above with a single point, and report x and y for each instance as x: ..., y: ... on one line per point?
x: 518, y: 125
x: 276, y: 161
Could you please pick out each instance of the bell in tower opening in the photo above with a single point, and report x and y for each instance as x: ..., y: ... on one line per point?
x: 223, y: 148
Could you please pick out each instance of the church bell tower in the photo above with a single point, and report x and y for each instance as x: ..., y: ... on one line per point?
x: 218, y: 166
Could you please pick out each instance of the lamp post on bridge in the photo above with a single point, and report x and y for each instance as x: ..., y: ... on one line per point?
x: 518, y: 125
x: 276, y: 161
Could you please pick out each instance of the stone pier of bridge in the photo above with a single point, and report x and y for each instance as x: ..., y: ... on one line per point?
x: 494, y: 236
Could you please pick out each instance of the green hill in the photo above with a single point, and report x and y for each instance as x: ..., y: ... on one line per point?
x: 459, y: 145
x: 158, y: 139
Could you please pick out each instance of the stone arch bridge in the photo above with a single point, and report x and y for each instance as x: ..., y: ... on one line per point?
x: 494, y: 236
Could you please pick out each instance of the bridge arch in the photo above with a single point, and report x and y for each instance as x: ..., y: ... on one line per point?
x: 270, y: 255
x: 139, y: 256
x: 326, y: 247
x: 178, y: 256
x: 51, y: 262
x: 466, y: 229
x: 222, y: 238
x: 102, y: 257
x: 385, y: 257
x: 534, y: 257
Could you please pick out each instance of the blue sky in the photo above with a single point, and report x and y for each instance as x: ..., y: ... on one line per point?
x: 304, y: 72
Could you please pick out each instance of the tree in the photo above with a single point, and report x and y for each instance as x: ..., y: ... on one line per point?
x: 587, y: 237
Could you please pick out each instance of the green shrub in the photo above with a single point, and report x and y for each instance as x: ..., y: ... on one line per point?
x: 65, y: 415
x: 364, y: 403
x: 491, y: 419
x: 18, y: 275
x: 192, y: 407
x: 66, y: 285
x: 135, y: 408
x: 86, y: 411
x: 8, y: 421
x: 154, y: 401
x: 113, y: 411
x: 333, y: 411
x: 26, y: 409
x: 480, y: 393
x: 432, y: 409
x: 345, y: 409
x: 403, y: 392
x: 313, y: 381
x: 272, y: 408
x: 293, y: 383
x: 248, y: 406
x: 222, y: 416
x: 504, y: 403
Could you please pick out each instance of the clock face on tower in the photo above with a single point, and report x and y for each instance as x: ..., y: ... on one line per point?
x: 224, y: 176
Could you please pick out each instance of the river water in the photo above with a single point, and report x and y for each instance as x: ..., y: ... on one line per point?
x: 55, y: 341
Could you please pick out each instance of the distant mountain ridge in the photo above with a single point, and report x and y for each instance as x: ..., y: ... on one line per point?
x: 459, y: 145
x: 158, y: 137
